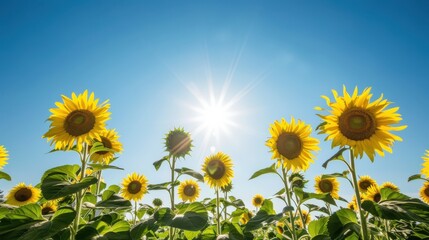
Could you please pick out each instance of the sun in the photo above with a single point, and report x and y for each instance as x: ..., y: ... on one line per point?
x: 216, y: 118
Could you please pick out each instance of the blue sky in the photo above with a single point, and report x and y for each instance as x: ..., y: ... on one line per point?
x: 143, y: 56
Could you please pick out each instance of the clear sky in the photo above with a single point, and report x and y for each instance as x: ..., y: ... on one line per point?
x: 275, y: 57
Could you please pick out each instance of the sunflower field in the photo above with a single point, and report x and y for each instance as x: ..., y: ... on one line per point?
x: 74, y: 202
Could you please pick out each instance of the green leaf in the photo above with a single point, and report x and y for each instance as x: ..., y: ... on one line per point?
x: 67, y: 170
x: 192, y: 218
x: 270, y: 169
x: 19, y: 220
x: 342, y: 224
x: 141, y: 229
x: 157, y: 164
x: 190, y: 235
x: 209, y: 233
x: 416, y: 177
x: 336, y: 156
x: 190, y: 172
x: 161, y: 186
x: 30, y: 211
x: 318, y: 227
x: 113, y: 189
x: 265, y: 214
x: 55, y: 186
x: 163, y: 216
x: 234, y: 231
x: 114, y: 201
x: 4, y: 175
x: 305, y: 196
x: 119, y: 230
x: 99, y: 167
x: 99, y: 147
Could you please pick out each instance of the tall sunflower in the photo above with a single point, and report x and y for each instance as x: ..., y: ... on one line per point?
x: 22, y: 194
x: 327, y: 185
x: 109, y: 139
x: 424, y: 192
x: 49, y: 207
x: 292, y: 144
x: 4, y: 156
x: 178, y: 143
x: 134, y: 187
x: 307, y: 219
x: 217, y: 170
x: 425, y: 169
x: 372, y: 194
x: 257, y: 200
x: 390, y: 185
x: 363, y: 125
x: 77, y: 120
x: 280, y: 227
x: 189, y: 190
x: 365, y: 182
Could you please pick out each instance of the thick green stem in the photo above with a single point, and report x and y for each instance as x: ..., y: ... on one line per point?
x: 289, y: 202
x: 135, y: 212
x: 225, y: 206
x: 79, y: 194
x: 364, y: 228
x: 219, y: 230
x: 172, y: 165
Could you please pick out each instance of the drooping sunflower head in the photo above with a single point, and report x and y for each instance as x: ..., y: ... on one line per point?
x: 227, y: 188
x: 217, y: 170
x: 363, y: 125
x: 189, y: 190
x: 23, y: 194
x: 307, y: 219
x: 257, y: 200
x: 280, y: 227
x: 390, y: 185
x: 157, y: 202
x: 424, y: 192
x: 178, y: 143
x: 297, y: 179
x: 327, y: 185
x: 291, y: 144
x: 365, y: 182
x: 4, y: 156
x: 373, y: 194
x: 109, y: 139
x: 245, y: 217
x: 76, y: 121
x: 49, y: 207
x: 134, y: 187
x: 425, y: 169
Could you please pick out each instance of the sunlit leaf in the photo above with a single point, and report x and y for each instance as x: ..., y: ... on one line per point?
x: 190, y: 172
x: 157, y: 164
x: 4, y: 175
x: 270, y: 169
x: 336, y: 156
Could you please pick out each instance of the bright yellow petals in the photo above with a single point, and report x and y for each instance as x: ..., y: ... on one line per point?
x: 4, y: 156
x: 217, y: 170
x: 365, y: 182
x: 353, y: 204
x: 372, y: 194
x: 291, y: 144
x: 178, y: 143
x: 425, y: 169
x: 280, y: 227
x: 134, y: 187
x: 49, y: 207
x: 257, y: 200
x: 390, y: 185
x: 363, y: 125
x: 327, y: 185
x: 245, y: 217
x: 109, y: 139
x: 189, y: 190
x: 22, y: 194
x: 424, y: 192
x: 305, y: 216
x: 76, y: 121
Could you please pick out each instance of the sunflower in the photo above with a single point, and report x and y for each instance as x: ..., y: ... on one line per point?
x: 307, y: 219
x: 425, y: 169
x: 3, y: 156
x: 280, y: 227
x: 424, y: 192
x: 245, y: 217
x: 390, y: 185
x: 257, y: 200
x: 157, y: 202
x: 189, y: 190
x: 365, y: 182
x: 291, y: 144
x: 77, y: 120
x: 49, y: 207
x: 227, y: 188
x: 178, y: 143
x: 372, y: 194
x: 363, y: 125
x: 22, y: 194
x: 327, y: 185
x: 217, y: 170
x: 134, y: 186
x: 109, y: 139
x: 353, y: 204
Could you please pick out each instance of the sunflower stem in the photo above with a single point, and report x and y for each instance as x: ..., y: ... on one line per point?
x: 219, y: 230
x: 225, y: 206
x: 97, y: 190
x: 173, y: 165
x: 300, y: 211
x: 291, y: 218
x: 79, y: 194
x: 364, y: 228
x: 135, y: 212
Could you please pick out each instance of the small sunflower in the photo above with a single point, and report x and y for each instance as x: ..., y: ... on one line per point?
x: 424, y: 192
x: 257, y: 200
x: 363, y: 125
x: 297, y: 180
x: 157, y: 202
x: 245, y: 217
x: 365, y: 182
x: 77, y: 120
x: 109, y: 139
x: 189, y: 190
x: 49, y: 207
x: 280, y: 227
x: 22, y: 194
x: 292, y: 144
x: 134, y: 187
x: 307, y: 219
x: 425, y: 169
x: 390, y: 185
x: 327, y: 185
x: 373, y: 194
x: 217, y: 170
x: 353, y: 204
x: 178, y: 143
x: 3, y: 156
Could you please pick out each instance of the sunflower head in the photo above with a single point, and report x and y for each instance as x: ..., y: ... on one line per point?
x: 373, y: 194
x: 189, y: 190
x: 257, y: 200
x: 425, y: 169
x: 297, y: 180
x: 3, y: 156
x: 109, y: 139
x: 178, y: 143
x: 291, y: 144
x: 49, y: 207
x: 307, y: 219
x: 424, y: 192
x: 134, y: 187
x: 327, y: 185
x: 157, y: 202
x: 363, y: 125
x: 245, y: 217
x: 280, y: 227
x: 76, y: 121
x: 353, y: 204
x: 23, y: 194
x: 390, y: 185
x: 227, y: 188
x: 217, y: 170
x: 365, y: 182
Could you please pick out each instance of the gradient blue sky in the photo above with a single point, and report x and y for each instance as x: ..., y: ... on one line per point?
x: 144, y: 55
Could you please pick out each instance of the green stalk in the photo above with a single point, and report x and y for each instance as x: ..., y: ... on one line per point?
x: 219, y: 230
x: 225, y: 206
x: 172, y: 165
x: 79, y: 194
x: 291, y: 218
x: 135, y: 212
x: 364, y: 228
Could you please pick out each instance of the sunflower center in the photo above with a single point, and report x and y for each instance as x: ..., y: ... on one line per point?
x: 357, y: 124
x: 377, y: 197
x: 23, y: 194
x: 216, y: 169
x: 47, y: 210
x: 325, y: 186
x: 189, y: 190
x: 79, y: 122
x: 179, y: 143
x: 364, y: 185
x: 258, y: 201
x: 289, y: 145
x: 106, y: 143
x: 427, y: 191
x: 134, y: 187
